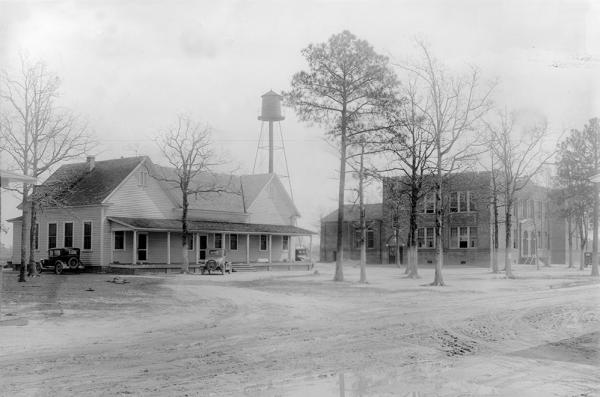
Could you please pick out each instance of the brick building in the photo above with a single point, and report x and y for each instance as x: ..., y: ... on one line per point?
x: 351, y: 234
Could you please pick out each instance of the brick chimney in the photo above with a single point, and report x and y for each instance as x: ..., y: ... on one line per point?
x: 91, y: 162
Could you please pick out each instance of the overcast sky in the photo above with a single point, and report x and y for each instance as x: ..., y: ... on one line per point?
x: 129, y: 67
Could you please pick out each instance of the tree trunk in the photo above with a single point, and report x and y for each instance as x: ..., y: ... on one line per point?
x: 339, y: 260
x: 570, y: 241
x: 32, y: 232
x: 363, y: 221
x: 413, y: 264
x: 24, y: 234
x: 508, y: 250
x: 595, y: 231
x: 495, y: 267
x: 438, y: 278
x: 397, y: 247
x: 185, y: 266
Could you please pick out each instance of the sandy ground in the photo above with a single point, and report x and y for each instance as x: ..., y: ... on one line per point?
x: 300, y: 334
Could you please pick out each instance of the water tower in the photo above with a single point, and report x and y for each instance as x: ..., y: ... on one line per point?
x: 271, y: 113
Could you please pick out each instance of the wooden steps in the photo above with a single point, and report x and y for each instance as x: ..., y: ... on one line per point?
x: 243, y: 267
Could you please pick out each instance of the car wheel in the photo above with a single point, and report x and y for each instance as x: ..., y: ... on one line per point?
x: 59, y: 267
x: 38, y: 268
x: 73, y: 262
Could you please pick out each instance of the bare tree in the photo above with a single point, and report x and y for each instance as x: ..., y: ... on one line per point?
x: 579, y: 162
x: 521, y: 155
x: 454, y: 106
x: 38, y: 135
x: 409, y: 147
x: 346, y: 81
x: 188, y: 149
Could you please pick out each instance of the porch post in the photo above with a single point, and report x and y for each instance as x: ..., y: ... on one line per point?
x: 248, y: 248
x: 289, y: 249
x: 168, y: 248
x: 112, y: 246
x: 270, y: 249
x: 197, y: 247
x: 134, y: 248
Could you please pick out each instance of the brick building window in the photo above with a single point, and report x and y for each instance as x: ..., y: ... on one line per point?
x: 472, y: 204
x: 463, y: 237
x: 426, y: 237
x: 462, y: 201
x: 370, y: 239
x: 430, y: 203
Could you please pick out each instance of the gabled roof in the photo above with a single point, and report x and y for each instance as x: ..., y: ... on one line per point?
x: 252, y: 185
x: 227, y: 196
x: 352, y: 213
x: 74, y: 185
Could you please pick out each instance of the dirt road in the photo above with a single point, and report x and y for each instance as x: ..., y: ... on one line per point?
x: 298, y: 333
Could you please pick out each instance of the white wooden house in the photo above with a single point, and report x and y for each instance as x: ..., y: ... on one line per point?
x: 122, y: 213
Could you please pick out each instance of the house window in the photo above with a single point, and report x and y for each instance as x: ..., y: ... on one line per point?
x: 218, y: 240
x: 515, y: 238
x: 263, y: 242
x: 233, y: 242
x: 463, y: 237
x: 142, y: 178
x: 454, y: 202
x: 119, y: 242
x: 430, y: 203
x: 190, y: 242
x: 68, y: 240
x: 462, y: 201
x: 426, y: 237
x: 87, y: 235
x: 285, y: 243
x: 36, y: 236
x: 370, y: 239
x: 472, y: 205
x: 52, y: 235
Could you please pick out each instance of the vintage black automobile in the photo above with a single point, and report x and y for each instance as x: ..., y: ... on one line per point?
x: 216, y: 262
x: 60, y: 259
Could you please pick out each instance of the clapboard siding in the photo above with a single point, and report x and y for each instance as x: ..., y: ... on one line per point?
x: 131, y: 200
x: 76, y: 215
x: 272, y: 206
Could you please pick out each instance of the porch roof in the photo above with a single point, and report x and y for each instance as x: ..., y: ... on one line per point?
x: 174, y: 225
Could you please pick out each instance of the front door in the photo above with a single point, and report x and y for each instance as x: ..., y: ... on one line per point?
x: 142, y: 247
x: 202, y: 246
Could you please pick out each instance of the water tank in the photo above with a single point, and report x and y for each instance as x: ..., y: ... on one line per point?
x: 271, y: 107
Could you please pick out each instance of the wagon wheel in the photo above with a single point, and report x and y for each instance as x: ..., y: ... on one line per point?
x: 38, y: 267
x: 59, y: 267
x: 73, y: 262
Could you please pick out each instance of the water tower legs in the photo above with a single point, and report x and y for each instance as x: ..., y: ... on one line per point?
x: 270, y: 147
